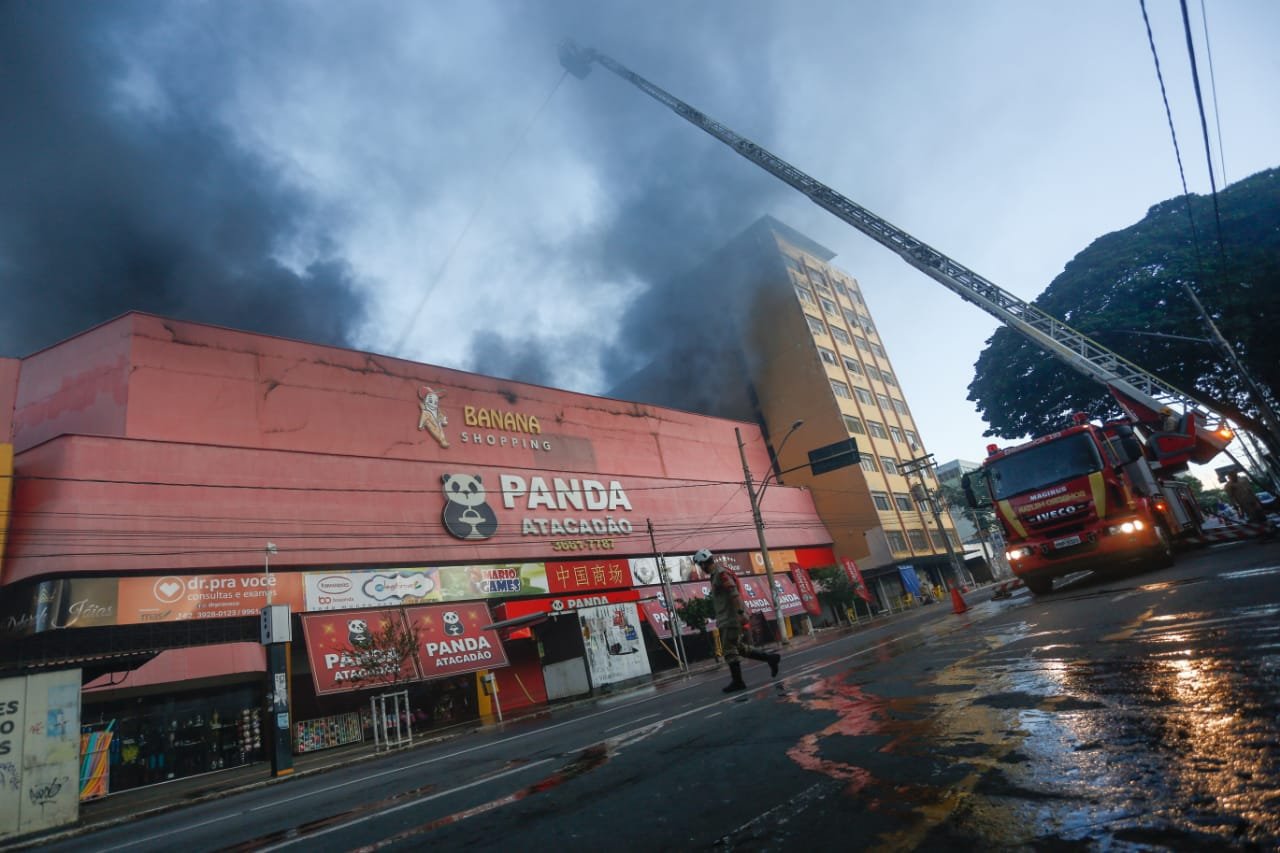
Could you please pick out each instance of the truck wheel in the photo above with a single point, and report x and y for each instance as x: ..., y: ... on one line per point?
x: 1163, y: 558
x: 1039, y: 586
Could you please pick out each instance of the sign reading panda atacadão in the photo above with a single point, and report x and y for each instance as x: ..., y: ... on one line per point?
x: 555, y: 506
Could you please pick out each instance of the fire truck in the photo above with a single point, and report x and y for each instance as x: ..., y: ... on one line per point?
x: 1089, y: 498
x: 1084, y: 497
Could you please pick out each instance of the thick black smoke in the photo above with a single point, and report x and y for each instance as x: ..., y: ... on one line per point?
x: 677, y: 194
x: 112, y: 204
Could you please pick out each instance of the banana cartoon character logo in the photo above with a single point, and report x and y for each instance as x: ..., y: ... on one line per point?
x: 430, y: 419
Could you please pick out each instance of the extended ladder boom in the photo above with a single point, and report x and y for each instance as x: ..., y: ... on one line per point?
x: 1075, y: 348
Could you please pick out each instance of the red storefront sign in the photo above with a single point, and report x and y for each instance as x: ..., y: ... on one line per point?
x: 587, y: 574
x: 452, y: 638
x: 562, y: 603
x: 808, y: 594
x: 338, y: 647
x: 655, y: 611
x: 855, y: 578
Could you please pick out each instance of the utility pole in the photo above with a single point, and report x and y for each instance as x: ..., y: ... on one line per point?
x: 764, y: 548
x: 673, y: 618
x: 918, y: 467
x: 755, y: 515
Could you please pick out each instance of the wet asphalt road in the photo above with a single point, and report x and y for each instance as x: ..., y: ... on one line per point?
x: 1124, y: 713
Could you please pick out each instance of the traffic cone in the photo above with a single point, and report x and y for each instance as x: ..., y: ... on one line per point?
x: 957, y: 601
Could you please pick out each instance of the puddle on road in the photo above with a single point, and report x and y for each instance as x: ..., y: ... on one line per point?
x: 1175, y: 746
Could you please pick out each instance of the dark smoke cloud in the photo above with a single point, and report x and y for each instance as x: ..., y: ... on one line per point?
x: 679, y: 194
x: 111, y: 206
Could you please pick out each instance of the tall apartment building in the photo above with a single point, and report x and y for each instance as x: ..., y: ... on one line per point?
x: 770, y: 331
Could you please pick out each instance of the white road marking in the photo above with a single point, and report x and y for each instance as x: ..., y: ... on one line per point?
x: 629, y: 722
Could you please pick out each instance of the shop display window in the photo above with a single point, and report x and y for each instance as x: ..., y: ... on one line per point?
x: 158, y: 738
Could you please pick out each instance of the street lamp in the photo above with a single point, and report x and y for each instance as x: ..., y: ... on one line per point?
x: 755, y: 497
x: 270, y: 549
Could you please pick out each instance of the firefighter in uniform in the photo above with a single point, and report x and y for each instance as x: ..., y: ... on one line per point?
x: 730, y: 620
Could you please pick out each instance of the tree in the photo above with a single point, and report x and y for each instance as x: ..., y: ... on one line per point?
x: 1131, y: 281
x: 378, y: 658
x: 1207, y: 499
x: 696, y: 612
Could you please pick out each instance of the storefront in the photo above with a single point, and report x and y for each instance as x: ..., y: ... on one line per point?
x: 174, y: 474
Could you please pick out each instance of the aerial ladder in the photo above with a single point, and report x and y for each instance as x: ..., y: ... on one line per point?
x: 1149, y: 401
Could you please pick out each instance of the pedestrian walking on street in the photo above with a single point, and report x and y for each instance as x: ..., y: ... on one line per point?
x: 1241, y: 494
x: 731, y: 621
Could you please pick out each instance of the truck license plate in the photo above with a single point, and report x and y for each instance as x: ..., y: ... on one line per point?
x: 1067, y: 542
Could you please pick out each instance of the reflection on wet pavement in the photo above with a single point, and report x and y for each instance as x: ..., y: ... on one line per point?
x: 1163, y: 736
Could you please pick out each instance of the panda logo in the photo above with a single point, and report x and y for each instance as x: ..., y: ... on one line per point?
x: 466, y: 515
x: 358, y: 634
x: 453, y: 624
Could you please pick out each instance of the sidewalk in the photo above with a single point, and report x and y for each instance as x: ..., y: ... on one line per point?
x: 134, y: 803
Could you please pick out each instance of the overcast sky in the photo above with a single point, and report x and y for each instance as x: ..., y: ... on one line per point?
x: 420, y: 179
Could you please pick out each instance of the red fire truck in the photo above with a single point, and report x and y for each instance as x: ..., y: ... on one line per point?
x: 1091, y: 498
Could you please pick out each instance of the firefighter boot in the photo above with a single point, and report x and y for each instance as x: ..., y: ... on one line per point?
x: 735, y: 669
x: 771, y: 658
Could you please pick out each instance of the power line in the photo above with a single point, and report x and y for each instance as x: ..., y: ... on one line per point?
x: 475, y: 213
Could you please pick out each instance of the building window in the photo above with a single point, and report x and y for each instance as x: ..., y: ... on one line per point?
x: 878, y: 350
x: 840, y: 389
x: 872, y: 371
x: 917, y: 539
x: 840, y: 287
x: 829, y: 307
x: 852, y: 365
x: 805, y: 295
x: 861, y: 343
x: 884, y: 402
x: 936, y: 538
x: 866, y: 324
x: 850, y: 317
x: 896, y: 543
x: 868, y: 463
x: 854, y: 425
x: 903, y: 502
x: 815, y: 325
x: 857, y: 297
x: 840, y: 335
x: 819, y: 280
x: 896, y: 435
x: 793, y: 263
x: 864, y: 396
x: 876, y: 429
x: 924, y: 505
x: 889, y: 464
x: 913, y: 441
x: 899, y: 406
x: 881, y: 500
x: 828, y: 356
x: 951, y: 537
x: 888, y: 378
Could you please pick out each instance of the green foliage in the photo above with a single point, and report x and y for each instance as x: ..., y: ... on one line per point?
x: 953, y: 497
x: 834, y: 589
x: 1208, y: 499
x: 379, y: 660
x: 696, y: 612
x: 1131, y: 280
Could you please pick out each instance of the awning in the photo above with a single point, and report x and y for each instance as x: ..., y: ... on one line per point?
x: 527, y: 619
